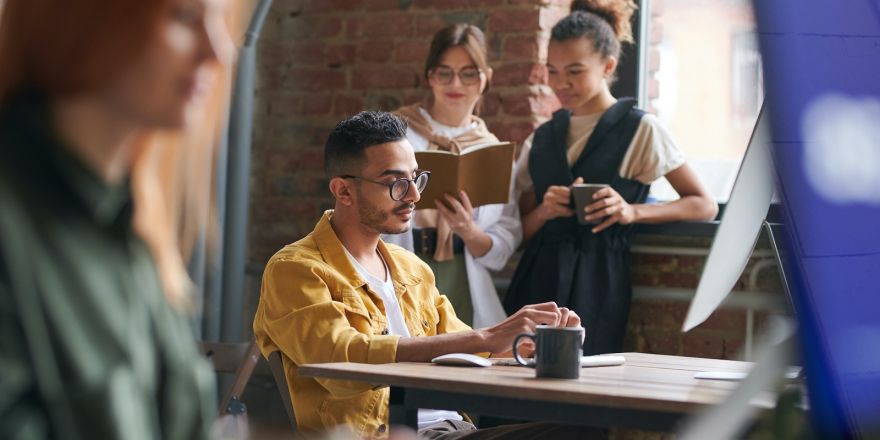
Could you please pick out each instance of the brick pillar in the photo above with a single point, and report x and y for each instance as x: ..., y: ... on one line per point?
x: 321, y: 60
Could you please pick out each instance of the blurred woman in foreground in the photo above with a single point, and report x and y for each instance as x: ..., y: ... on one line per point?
x: 103, y: 104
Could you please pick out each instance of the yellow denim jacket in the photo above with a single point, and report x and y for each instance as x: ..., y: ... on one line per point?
x: 315, y: 308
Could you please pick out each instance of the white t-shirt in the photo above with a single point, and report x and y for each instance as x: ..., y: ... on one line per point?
x: 651, y: 154
x: 397, y: 326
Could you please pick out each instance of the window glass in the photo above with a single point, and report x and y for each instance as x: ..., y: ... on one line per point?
x: 704, y: 81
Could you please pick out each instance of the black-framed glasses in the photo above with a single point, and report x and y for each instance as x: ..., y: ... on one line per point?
x: 399, y: 188
x: 467, y: 75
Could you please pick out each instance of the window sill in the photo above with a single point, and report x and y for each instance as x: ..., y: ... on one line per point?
x: 699, y: 229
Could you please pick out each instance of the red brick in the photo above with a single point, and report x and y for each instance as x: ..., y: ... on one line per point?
x: 709, y: 344
x: 519, y: 74
x: 298, y: 184
x: 564, y: 4
x: 414, y: 97
x: 654, y: 259
x: 375, y: 50
x: 347, y: 105
x: 384, y: 78
x: 512, y: 131
x: 313, y: 6
x: 451, y: 5
x: 411, y: 51
x: 490, y: 104
x: 658, y: 314
x: 273, y: 53
x: 347, y: 5
x: 389, y: 25
x: 387, y: 101
x: 339, y: 54
x: 466, y: 6
x: 285, y: 131
x: 678, y: 279
x: 691, y: 263
x: 271, y: 77
x: 518, y: 105
x: 726, y: 319
x: 307, y: 53
x: 284, y: 7
x: 315, y: 105
x: 663, y: 342
x: 428, y: 25
x: 422, y: 5
x: 310, y: 159
x: 276, y: 208
x: 275, y: 160
x: 642, y: 278
x: 514, y: 20
x: 285, y: 105
x: 315, y: 79
x: 353, y: 27
x: 311, y: 27
x: 383, y: 5
x: 520, y: 48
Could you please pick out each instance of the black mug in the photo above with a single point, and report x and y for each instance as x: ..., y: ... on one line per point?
x: 558, y: 351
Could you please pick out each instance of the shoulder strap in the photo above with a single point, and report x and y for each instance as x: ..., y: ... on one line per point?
x: 552, y: 136
x: 613, y: 116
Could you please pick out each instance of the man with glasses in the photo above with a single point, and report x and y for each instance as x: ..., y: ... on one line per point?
x: 342, y: 295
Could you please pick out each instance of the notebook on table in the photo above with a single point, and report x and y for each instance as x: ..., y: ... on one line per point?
x: 601, y: 360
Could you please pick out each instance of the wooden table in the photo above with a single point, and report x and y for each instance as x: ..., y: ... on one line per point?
x: 649, y: 391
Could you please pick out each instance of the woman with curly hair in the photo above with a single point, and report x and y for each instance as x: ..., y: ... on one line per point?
x: 594, y: 138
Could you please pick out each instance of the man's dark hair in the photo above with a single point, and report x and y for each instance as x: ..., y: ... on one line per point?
x: 344, y: 151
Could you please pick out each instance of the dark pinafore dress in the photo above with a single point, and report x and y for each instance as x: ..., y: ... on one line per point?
x: 565, y: 262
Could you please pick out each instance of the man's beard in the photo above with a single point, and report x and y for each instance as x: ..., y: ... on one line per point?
x: 377, y: 220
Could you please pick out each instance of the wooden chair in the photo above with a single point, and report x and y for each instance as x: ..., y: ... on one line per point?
x: 277, y: 367
x: 240, y: 358
x: 243, y: 359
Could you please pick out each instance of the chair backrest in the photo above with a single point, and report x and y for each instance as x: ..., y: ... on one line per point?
x: 240, y: 358
x: 277, y: 367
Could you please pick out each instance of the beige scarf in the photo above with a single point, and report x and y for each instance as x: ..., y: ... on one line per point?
x: 480, y: 134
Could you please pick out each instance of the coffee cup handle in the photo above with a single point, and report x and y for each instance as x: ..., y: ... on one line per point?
x: 516, y: 355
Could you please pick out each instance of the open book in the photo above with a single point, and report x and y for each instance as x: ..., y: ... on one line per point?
x: 483, y: 172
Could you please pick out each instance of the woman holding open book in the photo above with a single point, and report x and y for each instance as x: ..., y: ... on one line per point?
x: 594, y: 139
x: 460, y: 243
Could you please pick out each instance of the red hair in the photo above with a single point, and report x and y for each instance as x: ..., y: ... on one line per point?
x: 61, y: 49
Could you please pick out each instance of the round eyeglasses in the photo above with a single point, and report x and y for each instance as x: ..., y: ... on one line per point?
x: 445, y: 75
x: 398, y: 188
